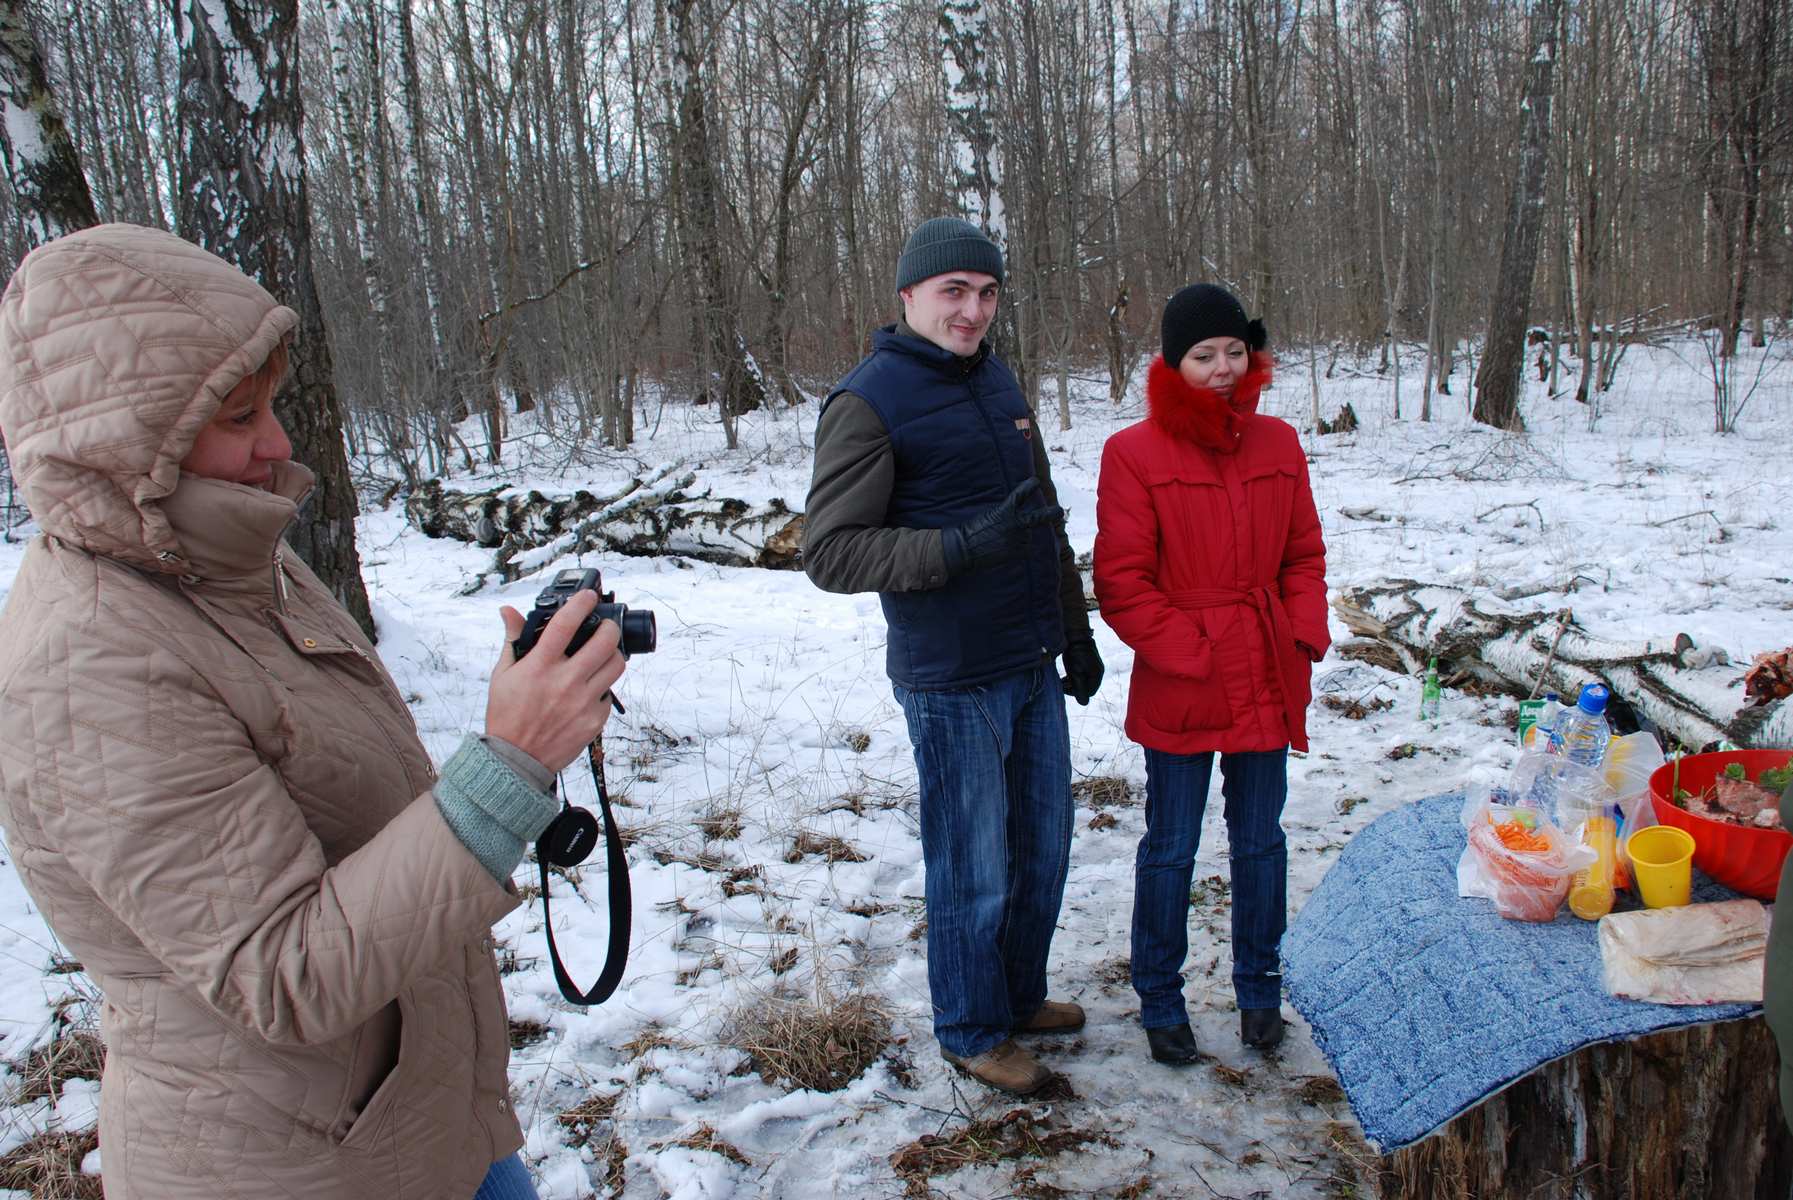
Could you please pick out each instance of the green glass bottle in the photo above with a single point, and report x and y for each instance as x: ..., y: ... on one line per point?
x: 1429, y: 693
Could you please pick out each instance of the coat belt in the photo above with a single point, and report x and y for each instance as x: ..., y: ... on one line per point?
x: 1266, y: 601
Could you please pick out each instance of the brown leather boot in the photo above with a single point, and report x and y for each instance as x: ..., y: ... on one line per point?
x: 1054, y: 1016
x: 1004, y: 1066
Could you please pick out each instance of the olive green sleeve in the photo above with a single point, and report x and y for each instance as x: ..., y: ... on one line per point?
x: 847, y: 547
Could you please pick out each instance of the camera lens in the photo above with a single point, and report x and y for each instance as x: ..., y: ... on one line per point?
x: 639, y: 635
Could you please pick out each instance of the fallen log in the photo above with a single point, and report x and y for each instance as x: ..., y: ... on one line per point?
x: 657, y: 515
x: 1692, y: 694
x: 1687, y: 1114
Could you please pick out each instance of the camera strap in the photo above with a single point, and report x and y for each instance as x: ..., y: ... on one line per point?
x: 571, y: 836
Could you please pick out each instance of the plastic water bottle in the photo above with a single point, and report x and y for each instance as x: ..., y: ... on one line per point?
x: 1581, y: 733
x: 1430, y: 694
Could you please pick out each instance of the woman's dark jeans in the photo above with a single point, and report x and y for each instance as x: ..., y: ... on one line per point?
x: 1254, y: 786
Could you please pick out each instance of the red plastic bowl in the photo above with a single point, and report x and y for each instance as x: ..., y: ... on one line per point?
x: 1741, y: 857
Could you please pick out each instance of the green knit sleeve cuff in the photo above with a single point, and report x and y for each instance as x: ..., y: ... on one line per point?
x: 490, y: 807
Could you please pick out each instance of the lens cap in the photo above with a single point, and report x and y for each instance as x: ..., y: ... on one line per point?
x: 569, y: 840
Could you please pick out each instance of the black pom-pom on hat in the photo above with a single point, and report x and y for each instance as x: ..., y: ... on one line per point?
x: 1202, y: 311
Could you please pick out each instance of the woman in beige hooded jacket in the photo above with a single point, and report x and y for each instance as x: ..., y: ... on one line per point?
x: 212, y: 788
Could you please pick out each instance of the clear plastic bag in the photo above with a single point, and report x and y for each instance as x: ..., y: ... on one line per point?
x: 1526, y: 883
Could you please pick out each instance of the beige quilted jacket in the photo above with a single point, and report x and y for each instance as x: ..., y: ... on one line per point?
x: 209, y: 784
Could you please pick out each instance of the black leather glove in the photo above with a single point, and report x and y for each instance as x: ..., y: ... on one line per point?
x: 997, y: 534
x: 1083, y: 669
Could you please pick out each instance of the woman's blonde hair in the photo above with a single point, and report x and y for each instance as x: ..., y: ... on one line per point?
x: 263, y: 382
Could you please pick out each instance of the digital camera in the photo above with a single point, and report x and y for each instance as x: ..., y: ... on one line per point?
x: 638, y: 628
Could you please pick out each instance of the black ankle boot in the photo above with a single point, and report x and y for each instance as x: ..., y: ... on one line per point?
x: 1174, y: 1044
x: 1260, y: 1028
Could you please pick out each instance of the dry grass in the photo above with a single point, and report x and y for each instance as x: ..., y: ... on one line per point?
x: 581, y: 1123
x: 870, y: 908
x: 1102, y: 791
x: 821, y: 1044
x: 510, y: 962
x: 705, y: 861
x: 1353, y: 709
x: 651, y: 1038
x: 744, y: 881
x: 1103, y: 820
x: 784, y: 960
x: 1319, y: 1090
x: 722, y: 823
x: 527, y: 1033
x: 858, y: 741
x: 706, y: 1138
x: 704, y: 965
x: 1214, y: 891
x: 1231, y: 1076
x: 824, y: 846
x: 1017, y: 1133
x: 582, y: 1120
x: 48, y: 1167
x: 1114, y: 973
x: 77, y: 1053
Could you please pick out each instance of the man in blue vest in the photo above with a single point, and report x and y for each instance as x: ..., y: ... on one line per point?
x: 932, y: 488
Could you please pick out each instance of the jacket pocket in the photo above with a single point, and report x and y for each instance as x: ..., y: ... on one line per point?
x: 1173, y: 705
x: 366, y: 1127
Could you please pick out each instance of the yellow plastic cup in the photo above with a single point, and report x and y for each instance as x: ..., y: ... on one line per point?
x: 1662, y: 864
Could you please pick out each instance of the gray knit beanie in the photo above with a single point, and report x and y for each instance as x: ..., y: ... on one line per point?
x: 946, y: 244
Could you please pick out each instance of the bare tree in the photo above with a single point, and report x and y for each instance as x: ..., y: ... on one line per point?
x: 243, y: 197
x: 1497, y: 382
x: 723, y: 347
x: 50, y: 194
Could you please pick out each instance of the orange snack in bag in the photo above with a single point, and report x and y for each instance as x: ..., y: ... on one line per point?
x: 1525, y: 840
x: 1531, y: 882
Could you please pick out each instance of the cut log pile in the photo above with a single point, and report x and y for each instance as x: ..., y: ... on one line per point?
x: 1692, y: 694
x: 658, y: 515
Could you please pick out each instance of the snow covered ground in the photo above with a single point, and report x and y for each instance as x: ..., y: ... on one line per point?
x: 765, y: 715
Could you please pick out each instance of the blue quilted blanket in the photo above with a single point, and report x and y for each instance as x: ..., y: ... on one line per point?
x: 1425, y: 1003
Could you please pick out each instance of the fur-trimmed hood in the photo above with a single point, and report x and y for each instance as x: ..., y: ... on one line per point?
x: 1203, y: 415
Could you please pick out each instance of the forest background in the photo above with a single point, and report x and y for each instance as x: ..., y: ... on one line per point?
x: 494, y: 206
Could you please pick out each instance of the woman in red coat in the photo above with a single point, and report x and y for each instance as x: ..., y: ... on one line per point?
x: 1210, y: 565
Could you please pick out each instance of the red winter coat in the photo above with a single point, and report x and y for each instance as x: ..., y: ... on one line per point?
x: 1210, y: 564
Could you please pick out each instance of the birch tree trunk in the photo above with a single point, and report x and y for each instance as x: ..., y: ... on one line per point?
x: 724, y: 347
x: 1497, y: 383
x: 242, y: 196
x: 49, y: 192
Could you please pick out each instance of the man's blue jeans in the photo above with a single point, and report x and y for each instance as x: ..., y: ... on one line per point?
x: 1254, y: 786
x: 994, y: 763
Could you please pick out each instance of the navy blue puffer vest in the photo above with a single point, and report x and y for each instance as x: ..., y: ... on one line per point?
x: 961, y: 432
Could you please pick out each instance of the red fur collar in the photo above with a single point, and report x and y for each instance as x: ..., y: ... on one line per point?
x: 1202, y: 415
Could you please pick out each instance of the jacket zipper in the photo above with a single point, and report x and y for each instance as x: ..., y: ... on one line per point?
x: 280, y: 581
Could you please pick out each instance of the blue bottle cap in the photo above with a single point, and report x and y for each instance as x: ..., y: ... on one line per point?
x: 1593, y: 699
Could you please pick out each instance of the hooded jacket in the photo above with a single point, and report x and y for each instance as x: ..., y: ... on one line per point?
x: 1209, y: 563
x: 211, y: 787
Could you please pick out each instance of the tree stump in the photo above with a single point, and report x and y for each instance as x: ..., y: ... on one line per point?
x: 1688, y: 1114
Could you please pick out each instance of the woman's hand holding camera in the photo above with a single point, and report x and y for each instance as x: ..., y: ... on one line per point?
x: 551, y: 705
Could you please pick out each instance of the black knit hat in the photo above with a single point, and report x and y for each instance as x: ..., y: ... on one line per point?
x: 1202, y: 311
x: 946, y: 244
